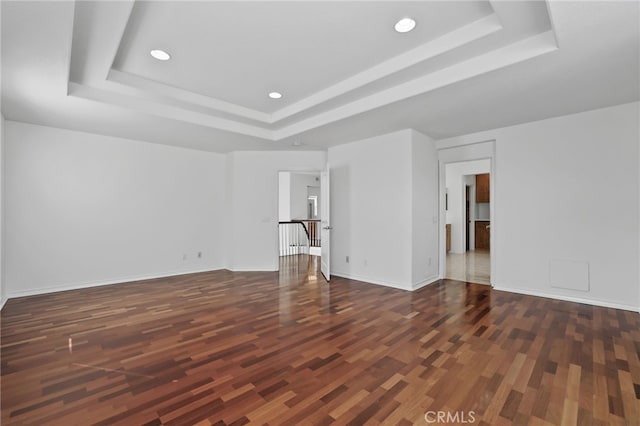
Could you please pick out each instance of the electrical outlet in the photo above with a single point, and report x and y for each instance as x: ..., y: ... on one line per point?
x: 200, y: 255
x: 347, y: 259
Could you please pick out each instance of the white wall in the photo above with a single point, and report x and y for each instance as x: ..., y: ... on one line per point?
x: 455, y: 183
x: 83, y: 209
x: 299, y: 184
x: 3, y: 292
x: 293, y: 193
x: 567, y: 189
x: 424, y: 165
x: 314, y: 190
x: 284, y: 196
x: 253, y: 197
x: 371, y: 209
x: 381, y: 192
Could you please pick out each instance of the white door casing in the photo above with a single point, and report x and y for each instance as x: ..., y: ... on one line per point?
x: 325, y: 225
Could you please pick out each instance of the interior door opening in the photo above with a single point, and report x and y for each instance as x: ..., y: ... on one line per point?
x: 300, y: 206
x: 468, y: 221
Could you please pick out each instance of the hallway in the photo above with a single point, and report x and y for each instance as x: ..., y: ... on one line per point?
x: 472, y: 266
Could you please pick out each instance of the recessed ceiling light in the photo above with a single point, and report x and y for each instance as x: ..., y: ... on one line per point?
x: 405, y: 25
x: 275, y: 95
x: 160, y: 55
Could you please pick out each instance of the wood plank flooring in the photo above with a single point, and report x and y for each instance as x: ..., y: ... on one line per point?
x: 289, y: 349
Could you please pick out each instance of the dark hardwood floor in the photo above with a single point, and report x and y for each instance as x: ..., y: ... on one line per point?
x: 269, y: 348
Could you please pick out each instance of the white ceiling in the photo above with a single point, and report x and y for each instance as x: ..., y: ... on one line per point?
x: 344, y: 72
x: 240, y: 51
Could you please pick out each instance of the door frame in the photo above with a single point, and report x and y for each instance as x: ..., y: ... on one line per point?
x: 325, y: 224
x: 467, y: 216
x: 307, y: 171
x: 481, y: 150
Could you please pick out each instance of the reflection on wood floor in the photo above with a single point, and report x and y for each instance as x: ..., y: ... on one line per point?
x: 300, y: 268
x: 473, y: 266
x: 289, y: 348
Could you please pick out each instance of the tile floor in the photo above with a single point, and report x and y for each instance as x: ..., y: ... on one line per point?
x: 472, y: 266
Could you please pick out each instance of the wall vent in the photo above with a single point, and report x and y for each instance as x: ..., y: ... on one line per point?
x: 569, y: 274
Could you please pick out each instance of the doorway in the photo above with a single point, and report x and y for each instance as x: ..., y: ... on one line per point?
x: 300, y: 203
x: 468, y: 221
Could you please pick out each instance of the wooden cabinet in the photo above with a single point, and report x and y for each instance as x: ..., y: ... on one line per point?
x: 483, y: 234
x: 448, y: 228
x: 482, y: 188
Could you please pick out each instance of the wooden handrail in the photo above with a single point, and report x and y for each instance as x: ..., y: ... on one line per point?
x: 312, y: 234
x: 306, y: 231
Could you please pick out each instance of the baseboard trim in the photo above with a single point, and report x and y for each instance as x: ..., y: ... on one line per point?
x: 3, y: 301
x: 426, y: 282
x: 369, y: 280
x: 251, y: 270
x: 592, y: 302
x: 56, y: 289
